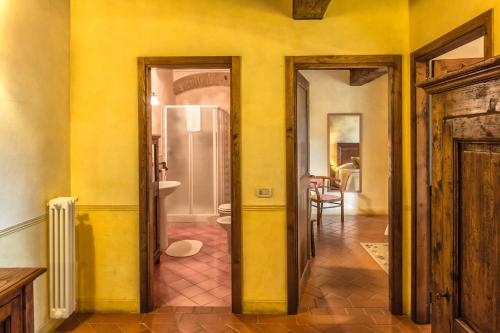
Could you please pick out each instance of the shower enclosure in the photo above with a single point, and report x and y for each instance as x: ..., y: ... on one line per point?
x: 196, y: 149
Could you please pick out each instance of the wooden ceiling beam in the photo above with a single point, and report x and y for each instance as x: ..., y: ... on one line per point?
x: 309, y: 9
x: 361, y: 76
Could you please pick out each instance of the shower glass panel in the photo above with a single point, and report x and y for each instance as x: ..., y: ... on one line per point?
x: 199, y: 160
x: 178, y: 160
x: 203, y: 160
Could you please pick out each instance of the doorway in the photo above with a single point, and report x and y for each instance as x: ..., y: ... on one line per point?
x: 466, y: 45
x: 299, y: 236
x: 174, y: 114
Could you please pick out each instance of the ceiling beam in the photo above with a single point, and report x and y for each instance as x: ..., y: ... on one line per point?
x: 309, y: 9
x: 361, y: 76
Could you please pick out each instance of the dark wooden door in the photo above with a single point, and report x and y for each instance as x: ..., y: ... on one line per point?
x: 303, y: 176
x: 154, y: 215
x: 466, y: 207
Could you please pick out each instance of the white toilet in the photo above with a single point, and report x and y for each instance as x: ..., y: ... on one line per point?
x: 225, y: 222
x: 224, y: 209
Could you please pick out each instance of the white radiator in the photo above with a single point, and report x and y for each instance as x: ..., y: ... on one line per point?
x: 62, y: 287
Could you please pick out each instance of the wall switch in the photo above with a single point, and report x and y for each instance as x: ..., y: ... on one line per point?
x: 264, y: 192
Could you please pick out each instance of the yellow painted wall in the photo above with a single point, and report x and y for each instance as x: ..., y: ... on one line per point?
x: 34, y: 130
x: 107, y: 36
x: 431, y: 19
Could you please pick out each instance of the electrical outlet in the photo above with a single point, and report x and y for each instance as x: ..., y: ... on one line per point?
x: 264, y: 192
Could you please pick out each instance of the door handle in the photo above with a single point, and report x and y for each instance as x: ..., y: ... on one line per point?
x: 440, y: 296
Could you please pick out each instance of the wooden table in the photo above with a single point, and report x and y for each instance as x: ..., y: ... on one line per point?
x: 16, y: 299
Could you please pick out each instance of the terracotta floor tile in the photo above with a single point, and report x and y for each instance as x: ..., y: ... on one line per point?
x: 192, y: 291
x: 106, y: 328
x: 208, y: 284
x: 345, y: 292
x: 204, y: 299
x: 220, y: 292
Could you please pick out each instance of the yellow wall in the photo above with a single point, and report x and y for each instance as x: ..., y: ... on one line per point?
x: 107, y: 36
x: 431, y: 19
x: 34, y: 130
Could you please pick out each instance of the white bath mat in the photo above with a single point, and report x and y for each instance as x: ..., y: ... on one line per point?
x: 184, y: 248
x: 379, y: 252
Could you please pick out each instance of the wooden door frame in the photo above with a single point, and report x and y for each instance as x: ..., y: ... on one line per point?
x: 360, y: 144
x: 393, y: 64
x: 420, y: 232
x: 144, y: 90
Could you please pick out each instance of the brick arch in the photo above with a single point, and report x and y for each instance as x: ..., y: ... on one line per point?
x: 201, y: 80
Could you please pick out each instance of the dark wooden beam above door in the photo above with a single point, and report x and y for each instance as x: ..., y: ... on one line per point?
x: 309, y: 9
x: 361, y: 76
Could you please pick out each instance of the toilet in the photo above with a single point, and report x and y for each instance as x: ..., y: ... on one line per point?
x: 225, y: 222
x: 224, y: 209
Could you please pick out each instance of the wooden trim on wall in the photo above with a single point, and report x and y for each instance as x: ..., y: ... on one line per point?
x: 393, y: 64
x: 479, y: 26
x: 144, y: 68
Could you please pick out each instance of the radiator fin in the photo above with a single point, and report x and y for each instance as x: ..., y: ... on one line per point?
x: 62, y: 257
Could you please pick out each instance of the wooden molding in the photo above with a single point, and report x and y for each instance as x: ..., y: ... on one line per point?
x: 309, y: 9
x: 362, y: 76
x: 108, y: 208
x: 260, y: 208
x: 201, y: 80
x: 483, y: 71
x: 23, y: 225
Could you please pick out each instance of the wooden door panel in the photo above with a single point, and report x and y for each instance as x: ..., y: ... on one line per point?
x: 443, y: 66
x: 465, y: 211
x: 476, y: 250
x: 303, y: 237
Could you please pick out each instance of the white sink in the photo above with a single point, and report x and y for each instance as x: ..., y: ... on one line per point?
x: 167, y: 187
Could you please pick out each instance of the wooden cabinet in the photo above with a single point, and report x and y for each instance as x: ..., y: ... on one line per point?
x: 465, y: 228
x: 16, y: 299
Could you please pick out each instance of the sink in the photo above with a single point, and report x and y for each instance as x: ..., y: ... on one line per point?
x: 167, y: 187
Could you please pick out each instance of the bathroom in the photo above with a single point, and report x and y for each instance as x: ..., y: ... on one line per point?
x: 190, y: 117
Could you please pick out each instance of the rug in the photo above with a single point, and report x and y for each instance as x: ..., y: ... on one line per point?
x: 379, y: 252
x: 184, y: 248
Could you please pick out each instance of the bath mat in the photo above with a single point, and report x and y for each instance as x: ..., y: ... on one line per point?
x: 184, y: 248
x: 379, y: 252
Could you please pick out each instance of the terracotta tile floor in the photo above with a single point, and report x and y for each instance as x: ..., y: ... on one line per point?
x: 346, y: 292
x: 200, y: 280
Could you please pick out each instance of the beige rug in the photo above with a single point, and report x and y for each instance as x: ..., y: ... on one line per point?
x: 184, y: 248
x: 379, y: 252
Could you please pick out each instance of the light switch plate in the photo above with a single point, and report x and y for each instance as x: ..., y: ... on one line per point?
x: 264, y: 192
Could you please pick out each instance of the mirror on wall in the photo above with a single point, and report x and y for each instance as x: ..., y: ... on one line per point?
x: 344, y: 149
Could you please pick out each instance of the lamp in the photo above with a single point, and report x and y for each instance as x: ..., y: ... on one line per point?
x: 154, y: 99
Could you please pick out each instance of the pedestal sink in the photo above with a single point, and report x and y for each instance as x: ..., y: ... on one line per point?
x: 167, y: 187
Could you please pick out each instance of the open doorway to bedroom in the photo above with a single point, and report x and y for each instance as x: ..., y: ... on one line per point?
x: 344, y: 184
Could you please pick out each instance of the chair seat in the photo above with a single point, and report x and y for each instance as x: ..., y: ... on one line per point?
x: 327, y: 198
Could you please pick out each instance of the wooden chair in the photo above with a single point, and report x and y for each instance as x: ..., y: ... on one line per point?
x: 321, y: 200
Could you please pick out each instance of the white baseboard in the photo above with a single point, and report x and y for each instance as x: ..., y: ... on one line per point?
x: 200, y: 218
x: 50, y: 326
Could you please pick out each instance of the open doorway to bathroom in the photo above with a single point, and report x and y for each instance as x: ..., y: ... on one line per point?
x: 190, y: 232
x: 344, y: 177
